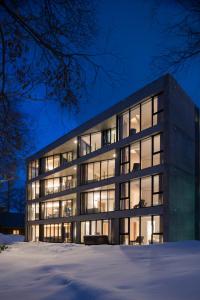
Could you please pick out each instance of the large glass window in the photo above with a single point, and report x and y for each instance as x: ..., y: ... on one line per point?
x: 33, y: 232
x: 141, y: 230
x: 146, y: 229
x: 130, y: 158
x: 157, y: 150
x: 157, y: 109
x: 146, y: 153
x: 97, y: 201
x: 68, y: 208
x: 124, y: 231
x: 52, y: 162
x: 95, y: 141
x: 135, y: 193
x: 135, y: 119
x: 89, y: 143
x: 124, y: 195
x: 97, y: 171
x: 68, y: 234
x: 142, y: 192
x: 50, y: 210
x: 55, y: 185
x: 151, y: 154
x: 34, y: 190
x: 66, y: 157
x: 145, y: 115
x: 33, y: 169
x: 97, y: 227
x: 52, y: 233
x: 124, y: 125
x: 33, y: 211
x: 109, y: 136
x: 146, y: 191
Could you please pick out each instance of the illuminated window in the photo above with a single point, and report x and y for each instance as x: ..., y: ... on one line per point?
x: 15, y: 231
x: 142, y: 192
x: 97, y: 171
x: 97, y: 201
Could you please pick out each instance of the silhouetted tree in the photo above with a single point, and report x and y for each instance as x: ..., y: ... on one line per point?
x: 184, y: 28
x: 43, y: 47
x: 12, y: 198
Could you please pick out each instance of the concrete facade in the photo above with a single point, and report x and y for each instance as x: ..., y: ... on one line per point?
x: 162, y: 176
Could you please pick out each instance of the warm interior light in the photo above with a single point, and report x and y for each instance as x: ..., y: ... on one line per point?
x: 75, y: 141
x: 114, y: 155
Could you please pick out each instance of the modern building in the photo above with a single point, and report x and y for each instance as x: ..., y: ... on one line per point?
x: 130, y: 173
x: 12, y: 223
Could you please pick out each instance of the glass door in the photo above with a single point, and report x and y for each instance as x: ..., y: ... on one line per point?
x: 68, y: 233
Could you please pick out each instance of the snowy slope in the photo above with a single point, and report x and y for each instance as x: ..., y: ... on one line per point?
x: 37, y: 271
x: 10, y: 239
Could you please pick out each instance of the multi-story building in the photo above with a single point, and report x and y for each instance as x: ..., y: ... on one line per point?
x: 131, y: 173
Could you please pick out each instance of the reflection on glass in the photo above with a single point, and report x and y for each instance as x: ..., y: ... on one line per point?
x: 146, y: 153
x: 146, y: 191
x: 146, y: 229
x: 135, y: 119
x: 135, y: 156
x: 135, y: 194
x: 134, y: 230
x: 124, y: 125
x: 146, y: 114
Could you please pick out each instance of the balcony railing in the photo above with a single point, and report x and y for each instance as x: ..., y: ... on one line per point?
x: 56, y: 189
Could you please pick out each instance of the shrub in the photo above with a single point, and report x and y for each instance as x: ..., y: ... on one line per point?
x: 3, y: 247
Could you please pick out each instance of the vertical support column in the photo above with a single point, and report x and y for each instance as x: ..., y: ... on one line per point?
x: 115, y: 231
x: 41, y: 165
x: 77, y: 238
x: 78, y: 203
x: 117, y: 185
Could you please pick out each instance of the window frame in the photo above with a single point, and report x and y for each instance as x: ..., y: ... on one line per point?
x: 84, y: 171
x: 90, y: 146
x: 139, y: 105
x: 128, y: 198
x: 84, y: 205
x: 140, y: 227
x: 153, y: 153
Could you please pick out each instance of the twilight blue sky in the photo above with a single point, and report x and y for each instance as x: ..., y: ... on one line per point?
x: 134, y: 31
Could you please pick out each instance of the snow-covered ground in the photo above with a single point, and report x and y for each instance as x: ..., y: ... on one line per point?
x: 37, y: 271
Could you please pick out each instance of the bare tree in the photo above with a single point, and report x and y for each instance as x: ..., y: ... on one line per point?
x: 184, y: 29
x: 44, y: 50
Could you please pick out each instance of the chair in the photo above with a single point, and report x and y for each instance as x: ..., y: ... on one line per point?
x: 136, y: 167
x: 139, y: 240
x: 132, y: 131
x: 142, y: 203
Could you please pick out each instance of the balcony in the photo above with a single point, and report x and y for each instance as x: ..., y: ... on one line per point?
x: 56, y: 185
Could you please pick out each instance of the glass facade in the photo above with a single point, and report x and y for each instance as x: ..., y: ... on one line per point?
x: 109, y: 136
x: 55, y: 185
x: 97, y: 227
x: 97, y: 201
x: 142, y: 192
x: 34, y: 190
x: 142, y: 154
x: 33, y: 169
x: 140, y: 117
x: 33, y: 212
x: 89, y: 143
x: 107, y: 196
x: 48, y: 163
x: 96, y: 171
x: 141, y: 230
x: 52, y: 233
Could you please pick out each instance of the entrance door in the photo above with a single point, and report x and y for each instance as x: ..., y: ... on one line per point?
x: 68, y: 233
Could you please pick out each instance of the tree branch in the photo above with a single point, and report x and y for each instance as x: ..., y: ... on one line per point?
x: 3, y: 61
